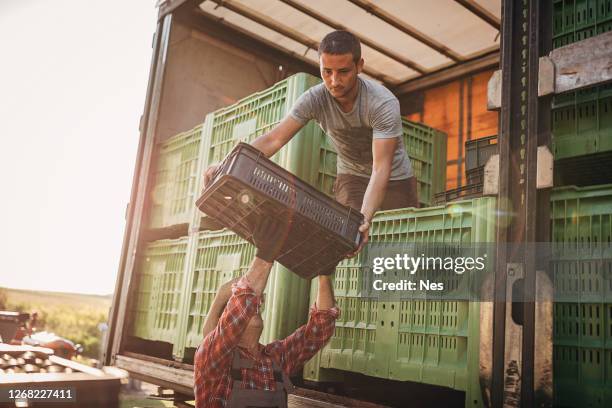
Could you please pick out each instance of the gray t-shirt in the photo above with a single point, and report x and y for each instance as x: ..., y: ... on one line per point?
x: 376, y: 114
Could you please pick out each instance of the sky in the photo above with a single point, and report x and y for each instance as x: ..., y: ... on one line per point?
x: 73, y: 79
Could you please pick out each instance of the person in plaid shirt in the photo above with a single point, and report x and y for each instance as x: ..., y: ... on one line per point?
x: 232, y: 369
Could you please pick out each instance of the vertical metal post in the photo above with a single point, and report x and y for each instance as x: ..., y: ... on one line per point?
x: 539, y: 229
x: 522, y: 129
x: 136, y: 208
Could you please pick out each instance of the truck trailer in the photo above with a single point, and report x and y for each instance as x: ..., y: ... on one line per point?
x: 510, y: 100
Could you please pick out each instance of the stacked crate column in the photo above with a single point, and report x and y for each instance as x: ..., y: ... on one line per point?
x: 582, y: 120
x: 581, y: 230
x: 175, y: 179
x: 160, y: 285
x: 411, y: 339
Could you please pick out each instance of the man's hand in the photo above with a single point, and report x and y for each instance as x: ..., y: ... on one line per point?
x: 269, y: 237
x: 209, y: 174
x: 364, y: 230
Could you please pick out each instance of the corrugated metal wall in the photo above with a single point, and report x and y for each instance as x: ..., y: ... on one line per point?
x: 458, y: 108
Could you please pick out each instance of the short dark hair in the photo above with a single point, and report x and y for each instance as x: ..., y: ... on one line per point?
x: 341, y: 42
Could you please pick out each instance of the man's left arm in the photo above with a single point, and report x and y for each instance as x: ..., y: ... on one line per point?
x: 299, y: 347
x: 382, y: 152
x: 386, y: 124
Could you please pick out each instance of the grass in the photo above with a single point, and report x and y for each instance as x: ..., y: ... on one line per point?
x: 76, y: 300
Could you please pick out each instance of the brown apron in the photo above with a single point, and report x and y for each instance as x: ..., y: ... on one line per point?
x: 246, y: 398
x: 350, y: 189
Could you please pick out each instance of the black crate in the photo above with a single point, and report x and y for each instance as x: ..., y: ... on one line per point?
x: 478, y: 151
x: 460, y: 193
x: 588, y: 170
x: 475, y: 176
x: 248, y: 186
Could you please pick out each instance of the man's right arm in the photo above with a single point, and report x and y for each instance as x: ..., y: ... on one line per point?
x: 303, y: 110
x: 268, y: 143
x: 271, y: 142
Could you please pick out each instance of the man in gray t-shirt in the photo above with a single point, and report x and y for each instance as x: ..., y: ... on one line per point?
x: 375, y: 115
x: 363, y: 120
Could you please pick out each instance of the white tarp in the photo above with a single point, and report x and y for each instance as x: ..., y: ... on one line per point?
x: 445, y: 21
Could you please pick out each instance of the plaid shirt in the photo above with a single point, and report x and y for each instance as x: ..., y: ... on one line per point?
x: 213, y: 359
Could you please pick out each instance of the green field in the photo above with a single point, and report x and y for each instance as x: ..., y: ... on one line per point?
x: 70, y: 315
x: 59, y: 298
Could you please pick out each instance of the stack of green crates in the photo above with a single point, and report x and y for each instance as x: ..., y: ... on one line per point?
x: 582, y: 120
x: 178, y: 280
x: 426, y: 148
x: 217, y: 256
x: 426, y: 341
x: 311, y: 156
x: 174, y: 310
x: 179, y: 164
x: 581, y: 227
x: 581, y: 223
x: 159, y: 291
x: 576, y: 20
x: 175, y: 179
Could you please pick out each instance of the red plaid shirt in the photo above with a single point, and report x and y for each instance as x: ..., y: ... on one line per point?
x: 213, y: 359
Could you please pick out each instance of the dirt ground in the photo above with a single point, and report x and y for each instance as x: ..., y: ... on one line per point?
x: 138, y: 395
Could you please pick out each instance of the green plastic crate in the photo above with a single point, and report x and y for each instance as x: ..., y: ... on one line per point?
x: 432, y: 342
x: 328, y: 161
x: 426, y: 148
x: 215, y: 258
x: 175, y: 180
x: 582, y: 120
x: 160, y: 276
x: 581, y: 228
x: 575, y: 20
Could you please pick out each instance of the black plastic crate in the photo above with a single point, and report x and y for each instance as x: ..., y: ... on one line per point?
x: 460, y: 193
x: 585, y: 170
x: 478, y: 151
x: 475, y: 176
x: 248, y: 186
